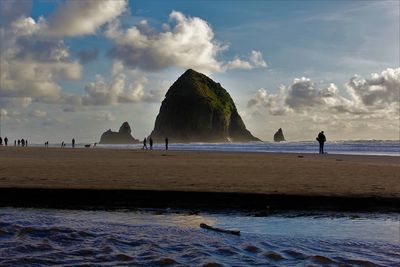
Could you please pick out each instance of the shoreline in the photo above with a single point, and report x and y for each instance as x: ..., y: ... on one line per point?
x: 112, y: 178
x: 262, y: 204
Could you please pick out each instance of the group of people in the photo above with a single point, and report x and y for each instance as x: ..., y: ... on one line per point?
x: 321, y: 138
x: 5, y: 141
x: 19, y: 142
x: 151, y: 143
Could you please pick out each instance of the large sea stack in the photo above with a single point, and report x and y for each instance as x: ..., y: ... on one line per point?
x: 123, y: 136
x: 197, y: 109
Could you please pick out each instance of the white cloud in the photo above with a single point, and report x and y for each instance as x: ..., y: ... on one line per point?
x: 189, y: 43
x: 379, y: 91
x: 31, y: 65
x: 256, y: 57
x: 367, y: 97
x: 34, y: 57
x: 238, y: 63
x: 16, y: 102
x: 103, y: 116
x: 76, y: 18
x: 3, y: 112
x: 11, y: 10
x: 38, y: 113
x: 101, y: 92
x: 255, y: 60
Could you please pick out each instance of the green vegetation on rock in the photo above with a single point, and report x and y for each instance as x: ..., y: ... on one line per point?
x: 197, y: 109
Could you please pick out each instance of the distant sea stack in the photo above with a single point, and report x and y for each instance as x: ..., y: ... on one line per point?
x: 197, y: 109
x: 278, y: 136
x: 123, y: 136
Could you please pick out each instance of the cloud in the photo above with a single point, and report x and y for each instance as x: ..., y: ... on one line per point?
x: 378, y: 91
x: 187, y: 43
x: 76, y: 18
x: 31, y: 65
x: 34, y: 57
x: 88, y: 55
x: 16, y: 102
x: 38, y: 113
x: 103, y: 116
x: 11, y: 10
x: 101, y: 92
x: 3, y: 112
x: 366, y: 97
x: 254, y: 60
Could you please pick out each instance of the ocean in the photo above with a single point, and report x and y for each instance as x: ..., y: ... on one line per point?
x: 360, y: 147
x: 42, y: 237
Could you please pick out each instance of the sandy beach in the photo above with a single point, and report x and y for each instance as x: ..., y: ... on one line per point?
x: 262, y: 173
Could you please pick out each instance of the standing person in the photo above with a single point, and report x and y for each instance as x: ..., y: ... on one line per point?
x: 5, y: 140
x: 151, y: 143
x: 321, y: 140
x: 26, y: 142
x: 144, y: 143
x: 73, y: 142
x: 15, y: 142
x: 22, y: 142
x: 19, y: 142
x: 1, y: 141
x: 62, y: 144
x: 166, y: 143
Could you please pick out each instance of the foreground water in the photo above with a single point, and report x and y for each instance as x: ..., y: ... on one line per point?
x: 163, y: 237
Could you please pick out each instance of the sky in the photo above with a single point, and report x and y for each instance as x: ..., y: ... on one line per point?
x: 74, y: 69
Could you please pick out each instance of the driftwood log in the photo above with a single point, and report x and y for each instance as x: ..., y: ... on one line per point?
x: 216, y: 229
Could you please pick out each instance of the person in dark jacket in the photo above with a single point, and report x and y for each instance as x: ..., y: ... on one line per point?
x: 144, y: 143
x: 321, y: 140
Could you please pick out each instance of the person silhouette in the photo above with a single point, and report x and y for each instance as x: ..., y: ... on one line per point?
x: 144, y: 143
x: 151, y: 143
x: 73, y: 142
x: 26, y: 142
x: 19, y: 142
x: 15, y: 142
x: 22, y: 142
x: 1, y: 141
x: 321, y: 140
x: 166, y: 143
x: 5, y: 141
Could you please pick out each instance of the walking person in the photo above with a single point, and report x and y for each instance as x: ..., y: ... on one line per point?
x: 144, y: 143
x: 166, y: 143
x: 5, y: 141
x: 73, y: 142
x: 151, y: 143
x: 321, y: 140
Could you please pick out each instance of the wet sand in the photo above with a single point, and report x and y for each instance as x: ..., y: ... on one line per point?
x: 179, y: 172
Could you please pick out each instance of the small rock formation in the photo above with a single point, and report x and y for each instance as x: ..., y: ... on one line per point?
x: 197, y: 109
x: 123, y: 136
x: 278, y: 136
